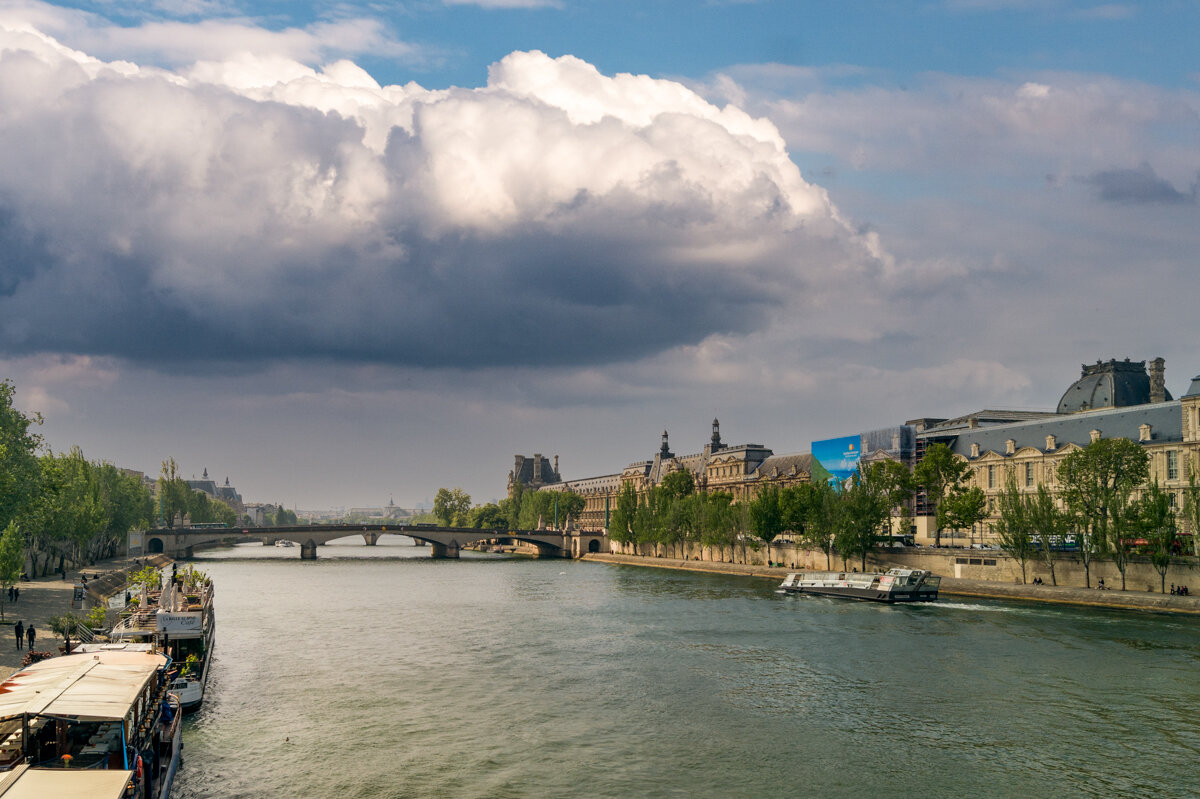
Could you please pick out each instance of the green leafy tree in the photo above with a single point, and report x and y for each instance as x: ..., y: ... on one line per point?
x: 449, y: 504
x: 173, y: 493
x: 864, y: 508
x: 489, y: 517
x: 1191, y: 507
x: 1051, y: 525
x: 512, y: 505
x: 1156, y: 519
x: 766, y: 516
x: 964, y: 508
x: 12, y: 556
x: 822, y: 520
x: 1014, y: 528
x: 1097, y: 484
x: 940, y: 472
x: 714, y: 521
x: 620, y: 523
x: 20, y: 472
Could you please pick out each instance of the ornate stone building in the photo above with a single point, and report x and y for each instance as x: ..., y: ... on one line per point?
x: 1113, y: 399
x: 739, y: 469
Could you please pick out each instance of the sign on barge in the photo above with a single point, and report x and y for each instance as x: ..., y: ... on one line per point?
x: 894, y: 585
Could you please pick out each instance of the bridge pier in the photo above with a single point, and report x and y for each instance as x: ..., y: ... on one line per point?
x: 443, y: 550
x: 308, y: 550
x: 371, y: 538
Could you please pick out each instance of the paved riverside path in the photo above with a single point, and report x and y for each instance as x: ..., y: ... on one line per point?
x: 1125, y: 600
x: 46, y: 597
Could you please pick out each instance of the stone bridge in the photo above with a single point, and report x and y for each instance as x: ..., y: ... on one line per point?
x: 445, y: 542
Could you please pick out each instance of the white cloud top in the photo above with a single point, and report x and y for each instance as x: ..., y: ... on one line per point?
x: 253, y: 207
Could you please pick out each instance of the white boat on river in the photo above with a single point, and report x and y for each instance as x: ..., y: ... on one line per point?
x: 894, y: 585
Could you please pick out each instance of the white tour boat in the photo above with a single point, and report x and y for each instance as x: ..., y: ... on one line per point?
x: 283, y: 542
x: 179, y: 620
x: 894, y: 585
x: 96, y: 724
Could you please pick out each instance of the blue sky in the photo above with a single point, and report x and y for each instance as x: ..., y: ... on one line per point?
x: 354, y: 251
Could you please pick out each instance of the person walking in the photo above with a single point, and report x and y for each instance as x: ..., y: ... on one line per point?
x: 16, y: 593
x: 20, y: 631
x: 30, y: 636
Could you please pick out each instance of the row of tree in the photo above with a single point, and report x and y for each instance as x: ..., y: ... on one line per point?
x: 65, y: 509
x: 1103, y: 507
x: 524, y: 510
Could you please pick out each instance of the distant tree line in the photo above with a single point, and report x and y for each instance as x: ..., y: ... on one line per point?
x: 524, y: 510
x: 61, y: 508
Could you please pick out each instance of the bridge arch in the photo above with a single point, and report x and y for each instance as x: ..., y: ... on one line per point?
x: 594, y: 545
x: 154, y: 546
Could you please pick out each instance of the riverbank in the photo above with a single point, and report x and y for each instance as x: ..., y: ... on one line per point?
x: 45, y: 597
x: 1124, y: 600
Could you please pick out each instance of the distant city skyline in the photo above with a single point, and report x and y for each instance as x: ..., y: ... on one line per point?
x: 348, y: 252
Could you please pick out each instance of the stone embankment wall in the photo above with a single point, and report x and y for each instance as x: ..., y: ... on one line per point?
x: 972, y: 564
x: 110, y: 582
x: 951, y: 586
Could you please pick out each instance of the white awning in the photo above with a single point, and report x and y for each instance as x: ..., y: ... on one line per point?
x: 41, y: 783
x: 95, y: 685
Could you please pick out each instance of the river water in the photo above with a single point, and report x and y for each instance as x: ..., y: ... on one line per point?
x: 378, y: 672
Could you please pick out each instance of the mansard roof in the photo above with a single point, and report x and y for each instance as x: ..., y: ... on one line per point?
x: 795, y: 463
x: 1164, y: 418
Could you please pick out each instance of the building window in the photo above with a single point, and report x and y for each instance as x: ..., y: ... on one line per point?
x: 1028, y: 475
x: 1172, y: 465
x: 991, y: 477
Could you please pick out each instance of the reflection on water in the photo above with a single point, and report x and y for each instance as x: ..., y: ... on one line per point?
x: 378, y: 672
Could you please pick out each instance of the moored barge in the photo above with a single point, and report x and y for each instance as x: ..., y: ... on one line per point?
x: 894, y: 585
x: 95, y: 724
x: 178, y: 619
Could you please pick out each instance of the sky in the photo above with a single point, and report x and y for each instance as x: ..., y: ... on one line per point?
x: 350, y: 253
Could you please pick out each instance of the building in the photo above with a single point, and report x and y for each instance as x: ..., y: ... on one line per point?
x: 1113, y: 399
x: 740, y: 469
x: 226, y: 493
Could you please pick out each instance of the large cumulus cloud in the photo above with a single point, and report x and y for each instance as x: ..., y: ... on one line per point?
x: 254, y: 208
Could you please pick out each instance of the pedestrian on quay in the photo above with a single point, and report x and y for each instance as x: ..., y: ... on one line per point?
x: 10, y: 593
x: 16, y: 593
x: 30, y: 635
x: 20, y: 631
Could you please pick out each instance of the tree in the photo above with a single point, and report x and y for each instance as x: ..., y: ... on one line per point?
x: 620, y: 523
x: 1050, y: 524
x: 12, y: 552
x: 1191, y: 507
x: 963, y: 508
x: 1098, y: 482
x: 1156, y: 519
x: 173, y: 493
x: 714, y: 520
x: 939, y: 472
x: 864, y: 510
x: 766, y: 516
x: 449, y: 504
x: 822, y: 520
x: 489, y: 517
x: 1014, y: 528
x: 19, y: 469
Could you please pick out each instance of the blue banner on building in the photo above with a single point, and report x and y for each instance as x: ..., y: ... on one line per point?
x: 839, y: 456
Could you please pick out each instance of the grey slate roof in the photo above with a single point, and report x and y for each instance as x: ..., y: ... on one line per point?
x: 782, y: 465
x: 1165, y: 420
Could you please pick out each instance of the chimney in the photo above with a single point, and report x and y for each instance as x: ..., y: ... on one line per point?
x: 1158, y: 386
x: 1010, y: 447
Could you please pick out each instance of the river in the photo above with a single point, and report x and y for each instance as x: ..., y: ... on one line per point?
x: 376, y: 672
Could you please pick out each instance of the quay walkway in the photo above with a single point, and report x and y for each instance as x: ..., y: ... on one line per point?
x: 45, y: 597
x: 1110, y: 598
